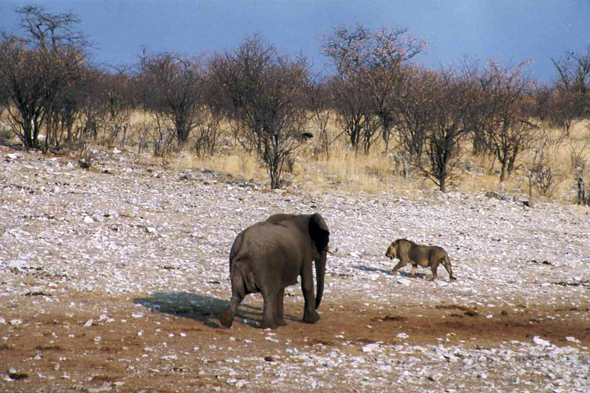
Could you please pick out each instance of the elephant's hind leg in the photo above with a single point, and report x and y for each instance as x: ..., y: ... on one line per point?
x: 238, y: 293
x: 227, y: 317
x: 279, y: 318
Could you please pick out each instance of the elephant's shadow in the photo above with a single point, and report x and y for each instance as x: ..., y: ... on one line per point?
x: 202, y: 308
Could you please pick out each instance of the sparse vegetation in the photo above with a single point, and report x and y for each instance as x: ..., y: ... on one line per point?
x: 379, y: 122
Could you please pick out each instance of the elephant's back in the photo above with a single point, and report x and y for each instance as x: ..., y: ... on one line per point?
x: 262, y: 239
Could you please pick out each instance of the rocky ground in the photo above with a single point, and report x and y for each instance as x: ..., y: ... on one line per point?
x: 112, y: 278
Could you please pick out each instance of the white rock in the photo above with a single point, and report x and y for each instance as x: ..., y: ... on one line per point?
x: 539, y: 341
x: 371, y: 347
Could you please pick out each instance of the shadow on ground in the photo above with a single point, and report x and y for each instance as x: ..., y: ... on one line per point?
x: 387, y: 271
x: 202, y: 308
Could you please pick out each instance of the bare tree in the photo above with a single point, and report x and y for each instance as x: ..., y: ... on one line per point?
x: 264, y: 94
x: 42, y: 76
x: 70, y: 90
x: 23, y: 80
x: 172, y: 86
x: 318, y: 105
x: 571, y: 101
x: 372, y: 64
x: 452, y: 109
x: 507, y: 107
x: 414, y: 116
x: 351, y: 99
x: 51, y: 31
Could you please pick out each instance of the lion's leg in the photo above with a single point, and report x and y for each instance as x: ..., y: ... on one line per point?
x: 399, y: 265
x: 414, y: 270
x: 433, y: 268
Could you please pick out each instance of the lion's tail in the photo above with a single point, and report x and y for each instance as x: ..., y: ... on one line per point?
x: 447, y: 265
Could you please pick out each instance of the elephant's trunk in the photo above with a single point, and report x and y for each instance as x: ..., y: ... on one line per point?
x: 320, y: 271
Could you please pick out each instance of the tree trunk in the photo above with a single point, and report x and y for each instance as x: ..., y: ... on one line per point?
x: 503, y: 171
x: 442, y: 183
x: 531, y: 190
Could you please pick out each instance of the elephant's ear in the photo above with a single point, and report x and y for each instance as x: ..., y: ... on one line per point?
x: 319, y: 232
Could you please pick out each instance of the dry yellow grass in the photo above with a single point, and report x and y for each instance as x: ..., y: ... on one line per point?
x: 370, y: 173
x: 239, y: 164
x: 375, y: 172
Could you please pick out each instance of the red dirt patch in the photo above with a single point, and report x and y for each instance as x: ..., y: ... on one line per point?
x: 58, y: 344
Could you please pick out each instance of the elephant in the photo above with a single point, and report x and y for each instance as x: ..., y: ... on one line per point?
x: 269, y: 256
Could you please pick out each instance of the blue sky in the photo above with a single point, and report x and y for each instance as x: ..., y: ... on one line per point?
x: 508, y: 31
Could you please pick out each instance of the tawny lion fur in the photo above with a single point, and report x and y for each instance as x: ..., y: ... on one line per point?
x: 417, y: 254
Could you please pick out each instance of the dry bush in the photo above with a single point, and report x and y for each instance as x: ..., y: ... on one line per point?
x: 5, y: 133
x: 372, y: 173
x: 86, y: 157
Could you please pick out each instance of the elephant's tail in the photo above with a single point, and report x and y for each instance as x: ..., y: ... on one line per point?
x: 236, y: 248
x: 242, y: 277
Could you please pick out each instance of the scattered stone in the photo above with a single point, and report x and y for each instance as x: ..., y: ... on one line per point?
x: 539, y: 341
x: 14, y: 375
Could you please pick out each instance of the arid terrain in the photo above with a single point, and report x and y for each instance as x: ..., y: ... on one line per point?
x: 112, y: 278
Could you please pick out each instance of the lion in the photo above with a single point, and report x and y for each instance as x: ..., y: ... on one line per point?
x: 408, y: 251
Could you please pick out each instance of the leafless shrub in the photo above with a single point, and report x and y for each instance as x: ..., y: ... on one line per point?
x: 402, y: 163
x: 172, y: 88
x: 415, y: 114
x: 506, y: 107
x: 86, y: 157
x: 263, y: 93
x: 542, y: 176
x: 208, y: 134
x: 570, y: 101
x: 5, y: 134
x: 452, y: 106
x: 354, y: 112
x: 162, y: 137
x: 369, y: 71
x: 318, y: 106
x: 582, y: 183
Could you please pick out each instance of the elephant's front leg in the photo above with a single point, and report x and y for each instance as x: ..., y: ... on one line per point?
x: 279, y: 319
x: 310, y: 315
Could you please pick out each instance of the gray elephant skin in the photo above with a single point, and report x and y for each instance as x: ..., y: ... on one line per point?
x: 268, y: 256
